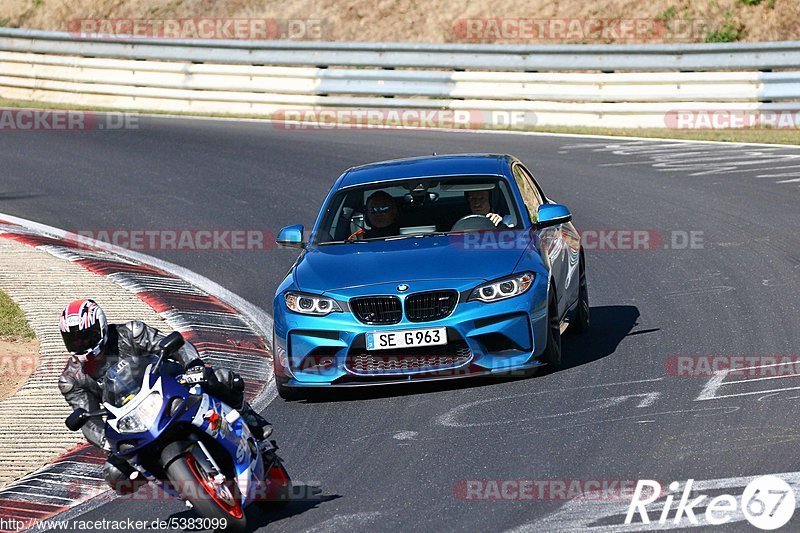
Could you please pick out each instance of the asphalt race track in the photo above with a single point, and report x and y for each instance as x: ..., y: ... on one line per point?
x: 393, y: 459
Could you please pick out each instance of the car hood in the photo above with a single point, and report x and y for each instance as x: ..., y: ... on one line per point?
x: 340, y: 266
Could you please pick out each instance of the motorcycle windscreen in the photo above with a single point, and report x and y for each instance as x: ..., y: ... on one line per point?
x: 123, y: 381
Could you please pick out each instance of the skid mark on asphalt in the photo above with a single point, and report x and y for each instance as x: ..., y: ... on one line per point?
x: 695, y: 292
x: 702, y: 159
x: 594, y: 412
x: 713, y: 412
x: 451, y: 417
x: 344, y: 522
x: 609, y: 516
x: 728, y: 439
x: 599, y: 404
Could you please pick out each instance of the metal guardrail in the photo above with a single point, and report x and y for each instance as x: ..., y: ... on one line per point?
x: 488, y: 82
x: 680, y: 57
x: 350, y: 82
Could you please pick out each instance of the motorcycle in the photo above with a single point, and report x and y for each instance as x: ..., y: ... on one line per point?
x: 186, y: 442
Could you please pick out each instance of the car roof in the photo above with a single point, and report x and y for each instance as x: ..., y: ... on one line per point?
x: 437, y: 165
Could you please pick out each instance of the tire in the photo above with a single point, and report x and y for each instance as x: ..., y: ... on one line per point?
x: 580, y: 321
x: 189, y: 479
x: 552, y: 350
x: 287, y: 393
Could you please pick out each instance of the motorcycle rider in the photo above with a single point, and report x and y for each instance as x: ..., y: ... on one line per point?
x: 96, y: 345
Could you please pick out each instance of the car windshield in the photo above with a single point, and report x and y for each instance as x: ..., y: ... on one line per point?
x: 418, y: 207
x: 124, y: 380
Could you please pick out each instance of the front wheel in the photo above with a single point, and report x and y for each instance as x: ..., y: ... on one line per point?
x: 580, y: 321
x: 552, y: 350
x: 212, y: 495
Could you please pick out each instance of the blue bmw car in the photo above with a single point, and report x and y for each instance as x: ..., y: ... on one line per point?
x: 428, y: 268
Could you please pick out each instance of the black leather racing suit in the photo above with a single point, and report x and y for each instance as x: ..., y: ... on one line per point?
x: 81, y: 385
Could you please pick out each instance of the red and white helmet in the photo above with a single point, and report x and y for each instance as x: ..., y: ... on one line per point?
x: 84, y: 328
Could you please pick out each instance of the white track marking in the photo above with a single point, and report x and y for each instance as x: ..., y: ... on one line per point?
x: 736, y: 395
x: 711, y: 387
x: 580, y: 515
x: 699, y: 160
x: 765, y: 378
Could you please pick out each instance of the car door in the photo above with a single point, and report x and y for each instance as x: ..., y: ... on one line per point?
x: 554, y: 245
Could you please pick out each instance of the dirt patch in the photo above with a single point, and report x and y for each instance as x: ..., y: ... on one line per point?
x: 443, y: 21
x: 18, y: 361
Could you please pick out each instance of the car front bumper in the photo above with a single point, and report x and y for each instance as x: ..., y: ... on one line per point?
x: 483, y: 339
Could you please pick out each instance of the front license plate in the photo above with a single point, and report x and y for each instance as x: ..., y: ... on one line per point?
x: 408, y: 338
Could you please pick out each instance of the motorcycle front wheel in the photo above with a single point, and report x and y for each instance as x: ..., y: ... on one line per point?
x: 212, y: 496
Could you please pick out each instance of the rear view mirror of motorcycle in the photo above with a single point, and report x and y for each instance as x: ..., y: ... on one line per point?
x: 171, y: 343
x: 78, y: 418
x: 168, y: 346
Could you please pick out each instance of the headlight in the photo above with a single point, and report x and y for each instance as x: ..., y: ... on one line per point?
x: 143, y: 417
x: 310, y: 304
x: 503, y: 288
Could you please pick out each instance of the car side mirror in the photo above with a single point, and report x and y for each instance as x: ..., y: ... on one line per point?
x: 77, y: 419
x: 291, y: 237
x: 552, y: 215
x: 171, y: 343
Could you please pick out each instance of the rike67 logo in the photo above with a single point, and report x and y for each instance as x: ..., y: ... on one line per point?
x: 768, y: 502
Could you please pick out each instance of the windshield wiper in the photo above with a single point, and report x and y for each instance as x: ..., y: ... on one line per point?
x: 416, y: 235
x: 390, y: 238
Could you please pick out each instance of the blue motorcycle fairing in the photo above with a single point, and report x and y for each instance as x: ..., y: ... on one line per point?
x: 209, y: 415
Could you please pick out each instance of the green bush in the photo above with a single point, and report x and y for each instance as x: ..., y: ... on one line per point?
x: 730, y: 32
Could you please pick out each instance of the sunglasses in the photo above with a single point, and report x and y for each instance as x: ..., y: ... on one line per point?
x: 381, y: 210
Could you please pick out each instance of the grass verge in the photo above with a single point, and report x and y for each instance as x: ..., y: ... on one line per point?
x: 13, y: 325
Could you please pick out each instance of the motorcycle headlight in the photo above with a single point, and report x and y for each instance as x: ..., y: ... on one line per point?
x: 311, y: 304
x: 143, y: 417
x: 503, y: 288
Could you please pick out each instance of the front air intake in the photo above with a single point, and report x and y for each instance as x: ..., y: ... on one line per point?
x: 377, y: 309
